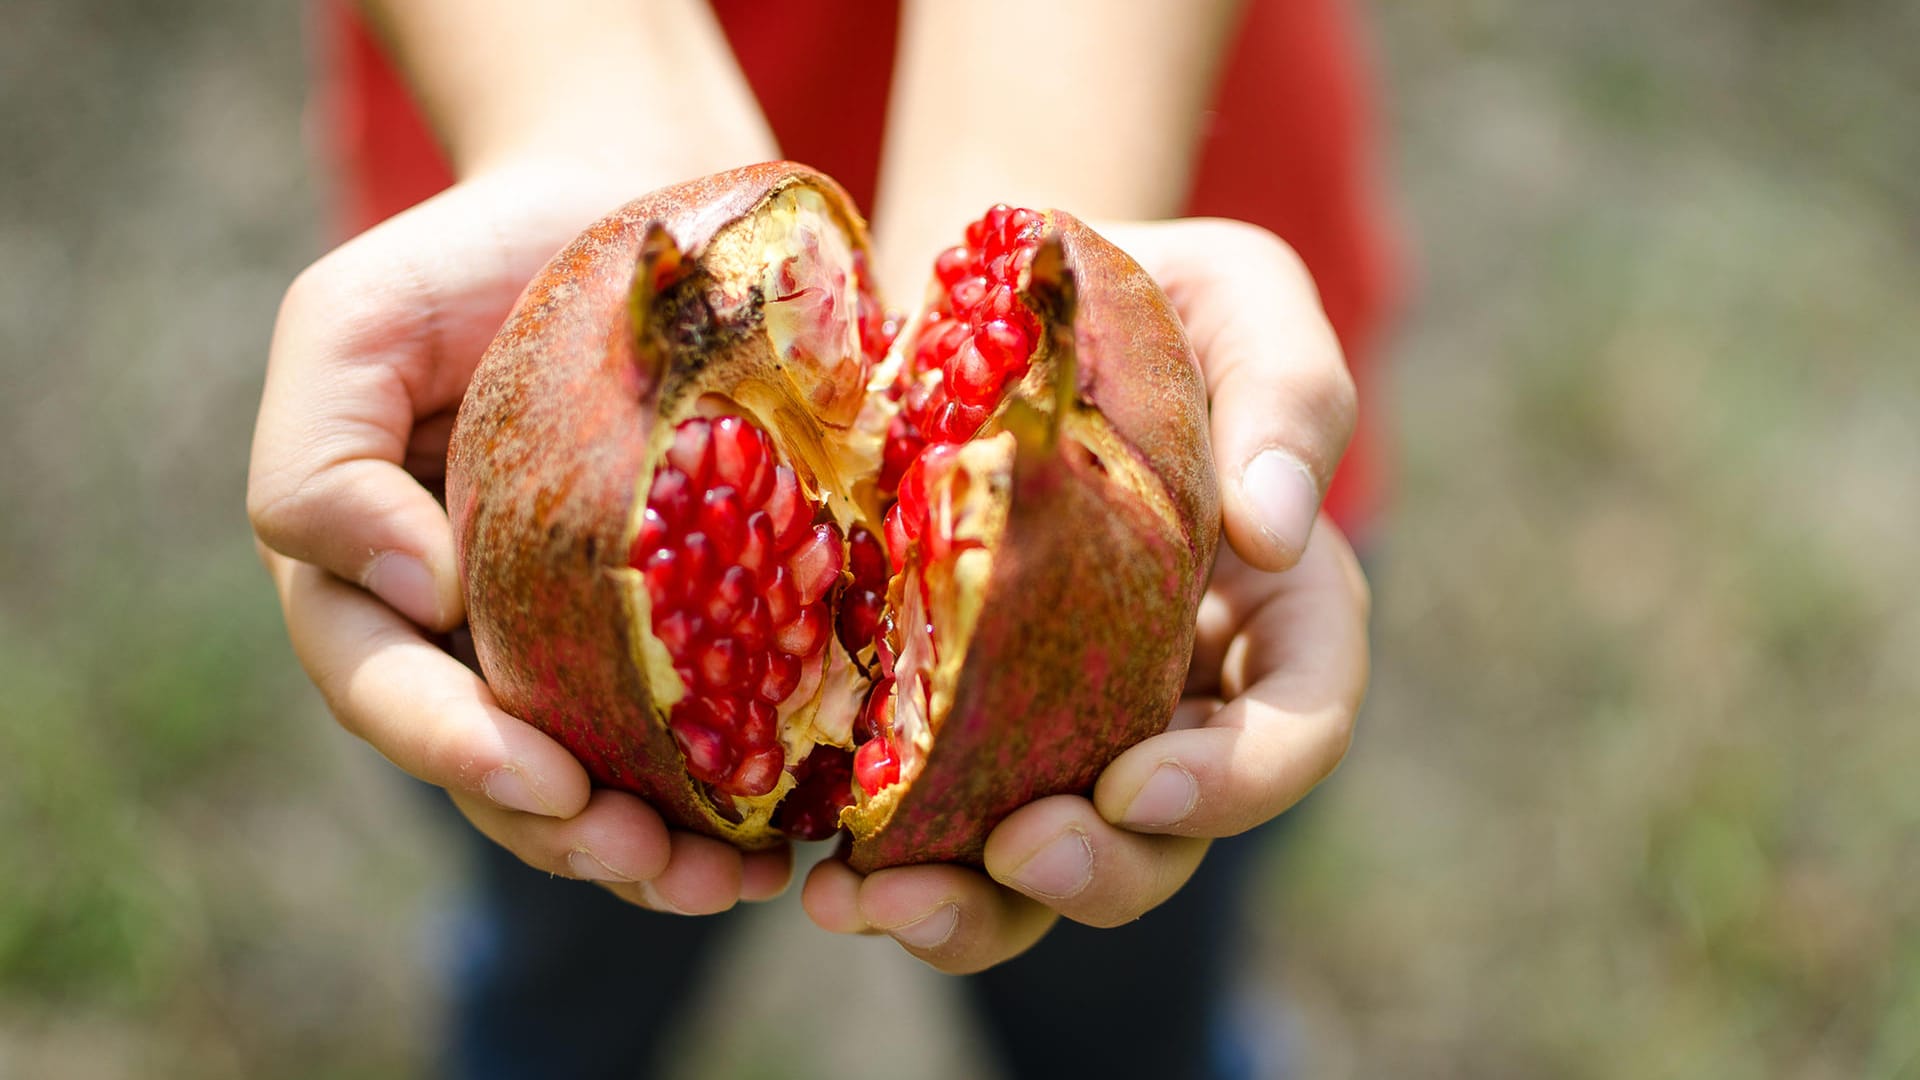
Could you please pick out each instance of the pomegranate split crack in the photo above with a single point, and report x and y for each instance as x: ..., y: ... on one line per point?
x: 783, y: 564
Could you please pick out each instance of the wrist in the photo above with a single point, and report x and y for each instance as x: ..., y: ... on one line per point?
x: 1106, y: 128
x: 648, y: 91
x: 631, y: 165
x: 619, y: 123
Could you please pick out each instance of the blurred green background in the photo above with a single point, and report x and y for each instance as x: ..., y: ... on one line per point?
x: 1635, y: 794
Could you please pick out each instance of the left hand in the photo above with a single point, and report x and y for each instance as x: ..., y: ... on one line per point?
x: 1280, y: 658
x: 372, y: 352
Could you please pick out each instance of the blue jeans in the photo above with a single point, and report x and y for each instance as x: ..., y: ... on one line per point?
x: 545, y: 981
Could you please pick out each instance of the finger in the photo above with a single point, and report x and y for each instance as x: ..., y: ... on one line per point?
x: 766, y: 874
x: 1282, y: 401
x: 621, y: 843
x: 831, y: 898
x: 415, y: 704
x: 1061, y: 853
x: 617, y: 838
x: 381, y: 333
x: 1294, y: 677
x: 1235, y: 593
x: 955, y: 919
x: 703, y: 877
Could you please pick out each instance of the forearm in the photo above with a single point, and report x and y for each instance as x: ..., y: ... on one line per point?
x: 1088, y: 105
x: 649, y: 90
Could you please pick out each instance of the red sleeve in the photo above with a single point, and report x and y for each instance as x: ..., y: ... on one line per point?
x: 372, y: 136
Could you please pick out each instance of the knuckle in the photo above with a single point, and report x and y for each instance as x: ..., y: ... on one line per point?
x: 275, y: 508
x: 352, y: 713
x: 350, y: 296
x: 1107, y: 918
x: 303, y: 292
x: 544, y: 849
x: 545, y: 845
x: 1265, y: 248
x: 343, y: 683
x: 1336, y: 398
x: 1362, y: 591
x: 449, y: 755
x: 317, y: 295
x: 279, y: 486
x: 1322, y: 396
x: 636, y: 893
x: 1290, y: 771
x: 327, y: 285
x: 1339, y: 741
x: 341, y: 706
x: 1319, y: 760
x: 295, y: 510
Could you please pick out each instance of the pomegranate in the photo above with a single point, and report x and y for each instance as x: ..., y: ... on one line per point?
x: 753, y: 548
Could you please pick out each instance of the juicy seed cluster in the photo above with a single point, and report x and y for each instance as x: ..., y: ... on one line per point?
x: 978, y: 337
x: 876, y: 762
x: 823, y: 782
x: 738, y: 574
x: 865, y: 599
x: 823, y: 786
x: 742, y: 579
x: 978, y: 340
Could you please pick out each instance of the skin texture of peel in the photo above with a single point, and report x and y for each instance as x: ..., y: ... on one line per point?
x: 1065, y: 638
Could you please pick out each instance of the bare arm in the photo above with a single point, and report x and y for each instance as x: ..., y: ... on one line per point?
x: 646, y: 89
x: 1087, y: 105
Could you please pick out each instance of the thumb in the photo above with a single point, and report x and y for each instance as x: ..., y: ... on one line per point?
x: 1281, y: 398
x: 375, y: 344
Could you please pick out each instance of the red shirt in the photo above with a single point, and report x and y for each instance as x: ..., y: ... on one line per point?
x: 1289, y: 146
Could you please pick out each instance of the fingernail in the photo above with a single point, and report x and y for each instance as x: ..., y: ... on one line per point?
x: 508, y: 787
x: 1060, y: 870
x: 929, y: 931
x: 586, y: 865
x: 1166, y: 798
x: 1284, y: 497
x: 405, y: 583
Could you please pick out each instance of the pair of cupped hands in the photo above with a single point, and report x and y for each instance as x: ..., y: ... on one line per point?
x: 373, y: 350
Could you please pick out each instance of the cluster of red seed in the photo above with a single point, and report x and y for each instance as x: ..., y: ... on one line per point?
x: 823, y: 780
x: 978, y: 337
x: 876, y: 761
x: 977, y: 340
x: 865, y: 599
x: 738, y: 574
x: 823, y: 785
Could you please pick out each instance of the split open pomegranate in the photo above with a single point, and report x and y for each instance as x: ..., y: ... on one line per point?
x: 753, y: 548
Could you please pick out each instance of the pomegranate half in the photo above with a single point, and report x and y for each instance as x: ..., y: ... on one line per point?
x: 754, y: 550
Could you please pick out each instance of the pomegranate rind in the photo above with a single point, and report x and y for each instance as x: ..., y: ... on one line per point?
x: 1087, y: 623
x: 548, y: 450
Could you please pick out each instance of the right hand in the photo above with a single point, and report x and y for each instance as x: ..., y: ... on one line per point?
x: 372, y: 353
